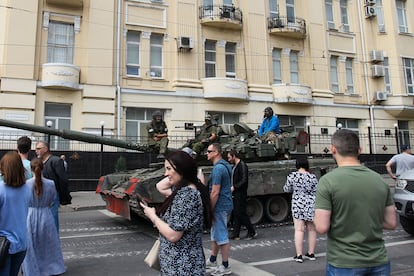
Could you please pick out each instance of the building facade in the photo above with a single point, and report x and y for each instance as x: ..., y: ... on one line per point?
x: 82, y: 64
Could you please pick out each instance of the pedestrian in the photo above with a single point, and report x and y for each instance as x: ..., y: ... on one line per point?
x: 158, y: 134
x: 14, y: 204
x: 353, y: 205
x: 54, y: 170
x: 402, y: 162
x: 219, y: 185
x: 302, y: 184
x: 24, y: 145
x: 240, y: 184
x: 181, y: 218
x: 65, y: 164
x: 44, y: 254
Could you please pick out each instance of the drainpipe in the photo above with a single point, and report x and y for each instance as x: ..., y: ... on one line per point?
x: 118, y: 71
x: 367, y: 90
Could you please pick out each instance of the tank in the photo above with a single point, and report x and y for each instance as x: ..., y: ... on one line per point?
x: 268, y: 163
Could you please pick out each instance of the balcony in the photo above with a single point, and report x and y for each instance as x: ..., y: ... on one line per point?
x: 224, y: 88
x: 399, y: 105
x: 287, y: 27
x: 292, y: 93
x: 66, y: 3
x: 60, y: 75
x: 221, y: 16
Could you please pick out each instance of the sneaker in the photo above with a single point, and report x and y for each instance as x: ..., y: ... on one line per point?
x: 298, y: 259
x: 250, y: 236
x: 221, y: 270
x: 234, y: 237
x: 160, y: 156
x: 310, y: 256
x: 210, y: 264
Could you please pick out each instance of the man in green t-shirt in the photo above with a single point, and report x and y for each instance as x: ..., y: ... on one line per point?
x: 353, y: 205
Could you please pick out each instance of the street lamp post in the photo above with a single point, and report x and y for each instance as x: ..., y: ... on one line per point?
x: 369, y: 139
x: 309, y: 139
x: 49, y: 125
x: 396, y: 137
x: 102, y: 123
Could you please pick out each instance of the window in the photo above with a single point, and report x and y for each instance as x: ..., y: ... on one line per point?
x: 402, y: 18
x: 230, y: 60
x: 59, y: 115
x: 380, y: 16
x: 344, y: 16
x: 409, y: 75
x: 136, y: 122
x: 156, y: 55
x: 298, y: 123
x: 208, y: 7
x: 349, y: 76
x: 60, y: 42
x: 334, y: 74
x: 387, y: 78
x: 351, y: 124
x: 403, y: 133
x: 133, y: 66
x: 329, y: 14
x: 210, y: 58
x: 294, y: 67
x: 273, y: 9
x: 290, y: 10
x: 227, y: 2
x: 277, y: 66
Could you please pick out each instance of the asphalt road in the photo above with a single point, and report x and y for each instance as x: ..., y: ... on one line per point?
x: 95, y: 242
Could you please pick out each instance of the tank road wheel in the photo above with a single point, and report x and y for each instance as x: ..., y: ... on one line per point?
x: 254, y: 210
x: 277, y: 208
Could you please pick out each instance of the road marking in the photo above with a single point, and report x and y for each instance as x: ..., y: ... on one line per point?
x: 100, y: 234
x: 282, y: 260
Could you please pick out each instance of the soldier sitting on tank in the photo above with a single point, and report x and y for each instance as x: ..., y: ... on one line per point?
x: 206, y: 135
x: 269, y: 129
x: 158, y: 134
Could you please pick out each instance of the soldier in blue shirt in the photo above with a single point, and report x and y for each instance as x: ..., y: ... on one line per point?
x: 270, y: 125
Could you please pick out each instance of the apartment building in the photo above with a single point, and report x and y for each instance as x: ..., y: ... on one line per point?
x: 85, y: 63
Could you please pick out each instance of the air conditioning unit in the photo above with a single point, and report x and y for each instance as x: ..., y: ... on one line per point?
x: 380, y: 96
x: 378, y: 71
x: 185, y: 42
x: 377, y: 56
x: 370, y: 11
x: 370, y: 2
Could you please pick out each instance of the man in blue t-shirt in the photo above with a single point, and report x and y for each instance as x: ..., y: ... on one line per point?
x: 219, y: 185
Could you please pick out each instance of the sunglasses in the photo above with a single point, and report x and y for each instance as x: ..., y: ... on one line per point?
x: 210, y: 151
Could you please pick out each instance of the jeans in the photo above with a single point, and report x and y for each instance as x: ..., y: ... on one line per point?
x: 381, y: 270
x: 13, y: 263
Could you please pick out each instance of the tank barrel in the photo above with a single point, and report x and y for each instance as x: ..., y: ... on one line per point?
x: 74, y: 135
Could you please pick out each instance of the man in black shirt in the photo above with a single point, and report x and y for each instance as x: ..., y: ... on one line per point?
x: 240, y: 182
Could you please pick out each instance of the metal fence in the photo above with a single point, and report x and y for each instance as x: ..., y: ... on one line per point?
x: 382, y: 142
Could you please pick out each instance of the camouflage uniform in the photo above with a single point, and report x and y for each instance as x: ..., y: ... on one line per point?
x: 206, y: 135
x: 154, y: 128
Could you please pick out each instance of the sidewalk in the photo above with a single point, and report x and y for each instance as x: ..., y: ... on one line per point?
x: 86, y: 200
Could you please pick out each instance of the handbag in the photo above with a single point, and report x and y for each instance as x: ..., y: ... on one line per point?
x: 152, y: 259
x: 4, y: 250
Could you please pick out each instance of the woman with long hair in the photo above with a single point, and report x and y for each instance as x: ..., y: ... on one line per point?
x: 44, y: 253
x: 182, y: 217
x: 14, y: 204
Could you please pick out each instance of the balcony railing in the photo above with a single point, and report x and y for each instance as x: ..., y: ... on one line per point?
x: 221, y: 16
x: 287, y: 26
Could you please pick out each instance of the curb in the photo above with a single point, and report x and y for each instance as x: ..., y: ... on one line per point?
x: 72, y: 208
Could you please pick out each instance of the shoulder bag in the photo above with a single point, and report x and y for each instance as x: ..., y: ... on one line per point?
x: 153, y: 259
x: 4, y: 250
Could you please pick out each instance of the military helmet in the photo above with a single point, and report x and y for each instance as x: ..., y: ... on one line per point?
x: 270, y: 110
x: 156, y: 113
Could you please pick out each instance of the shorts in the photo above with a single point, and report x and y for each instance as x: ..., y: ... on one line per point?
x: 219, y: 232
x: 381, y: 270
